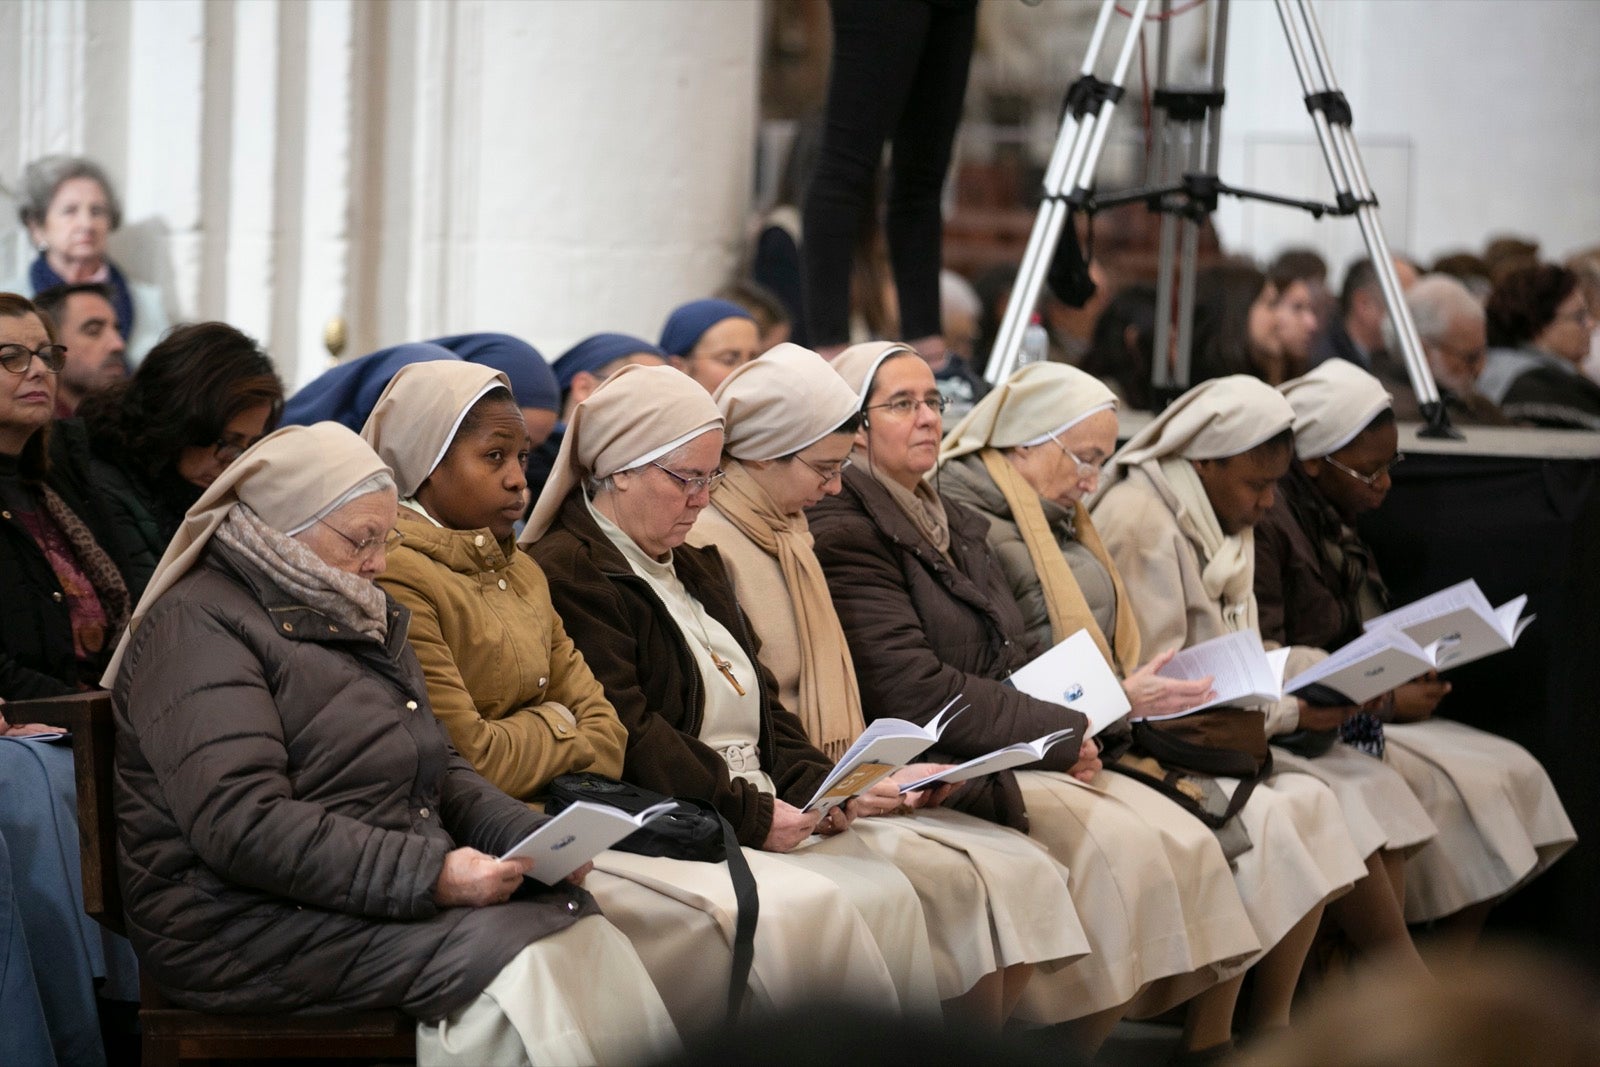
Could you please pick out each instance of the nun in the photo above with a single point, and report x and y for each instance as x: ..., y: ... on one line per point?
x: 709, y: 339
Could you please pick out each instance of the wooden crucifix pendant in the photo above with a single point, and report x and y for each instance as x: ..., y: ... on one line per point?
x: 727, y: 672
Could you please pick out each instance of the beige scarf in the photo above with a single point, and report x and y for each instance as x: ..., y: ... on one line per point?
x: 1229, y: 563
x: 1069, y: 611
x: 921, y: 505
x: 830, y: 704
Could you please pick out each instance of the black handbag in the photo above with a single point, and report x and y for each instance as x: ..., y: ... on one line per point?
x: 693, y: 830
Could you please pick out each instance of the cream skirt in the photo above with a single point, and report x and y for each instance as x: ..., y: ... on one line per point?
x: 993, y: 897
x: 1380, y: 810
x: 579, y: 996
x: 1500, y: 821
x: 1151, y: 887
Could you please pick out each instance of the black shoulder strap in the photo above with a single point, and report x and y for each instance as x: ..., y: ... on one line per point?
x: 749, y: 901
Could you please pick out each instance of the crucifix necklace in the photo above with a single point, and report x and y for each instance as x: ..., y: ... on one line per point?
x: 721, y: 664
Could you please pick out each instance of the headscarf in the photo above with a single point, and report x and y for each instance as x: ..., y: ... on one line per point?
x: 287, y: 479
x: 1216, y: 419
x: 775, y: 406
x: 781, y: 402
x: 1038, y: 401
x: 417, y: 417
x: 592, y: 354
x: 533, y: 383
x: 1332, y: 405
x: 637, y: 415
x: 689, y: 322
x: 347, y: 393
x: 859, y: 364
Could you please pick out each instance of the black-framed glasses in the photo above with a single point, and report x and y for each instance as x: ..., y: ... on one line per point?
x: 230, y: 446
x: 1368, y: 480
x: 691, y: 486
x: 18, y: 358
x: 829, y: 474
x: 368, y: 547
x: 906, y: 406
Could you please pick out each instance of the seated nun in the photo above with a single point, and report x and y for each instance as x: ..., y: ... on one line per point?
x: 995, y: 900
x: 659, y: 625
x: 1500, y: 821
x: 927, y: 615
x: 295, y: 831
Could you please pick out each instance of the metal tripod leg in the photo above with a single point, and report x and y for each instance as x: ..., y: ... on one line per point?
x: 1330, y: 115
x: 1070, y: 173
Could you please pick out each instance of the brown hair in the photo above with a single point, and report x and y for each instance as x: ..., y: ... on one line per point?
x: 33, y: 463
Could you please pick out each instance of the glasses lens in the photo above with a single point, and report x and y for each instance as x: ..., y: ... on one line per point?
x: 17, y: 358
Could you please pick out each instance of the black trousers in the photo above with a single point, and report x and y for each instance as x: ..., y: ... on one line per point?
x: 899, y: 73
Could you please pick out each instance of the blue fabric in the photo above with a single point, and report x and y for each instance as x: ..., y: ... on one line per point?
x: 593, y: 353
x: 42, y: 276
x: 688, y: 324
x: 348, y: 393
x: 533, y: 383
x: 24, y: 1034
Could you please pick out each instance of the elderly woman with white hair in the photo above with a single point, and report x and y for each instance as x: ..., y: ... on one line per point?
x: 296, y: 832
x: 996, y: 902
x: 660, y: 626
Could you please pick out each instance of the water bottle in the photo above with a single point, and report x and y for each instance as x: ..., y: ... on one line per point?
x: 1035, y: 342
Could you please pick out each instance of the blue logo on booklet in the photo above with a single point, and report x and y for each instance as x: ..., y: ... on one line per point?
x: 563, y: 843
x: 1072, y: 692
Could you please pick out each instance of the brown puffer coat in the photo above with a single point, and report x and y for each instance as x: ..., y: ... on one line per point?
x: 922, y: 631
x: 285, y: 799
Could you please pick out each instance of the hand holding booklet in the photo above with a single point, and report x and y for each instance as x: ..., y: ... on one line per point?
x: 1001, y: 759
x: 580, y: 833
x: 1461, y: 620
x: 883, y: 748
x: 1075, y: 674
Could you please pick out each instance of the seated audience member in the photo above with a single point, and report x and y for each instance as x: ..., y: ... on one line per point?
x: 1294, y: 316
x: 86, y: 322
x: 294, y: 829
x: 202, y: 396
x: 996, y: 903
x: 1308, y: 265
x: 1450, y: 325
x: 64, y: 598
x: 1539, y: 326
x: 1355, y: 331
x: 771, y: 317
x: 707, y: 339
x: 579, y: 371
x: 69, y: 208
x: 1499, y: 819
x: 1235, y: 324
x: 1119, y: 354
x: 1586, y: 265
x: 928, y: 616
x: 659, y: 625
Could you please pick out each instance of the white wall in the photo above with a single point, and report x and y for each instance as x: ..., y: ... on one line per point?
x: 1476, y: 117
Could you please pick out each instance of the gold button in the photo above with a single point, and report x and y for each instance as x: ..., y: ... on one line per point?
x: 288, y: 627
x: 543, y: 682
x: 332, y: 629
x: 478, y: 540
x: 423, y: 813
x: 5, y: 514
x: 411, y: 705
x: 57, y: 598
x: 501, y: 583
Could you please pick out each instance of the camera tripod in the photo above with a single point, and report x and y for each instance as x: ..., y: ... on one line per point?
x: 1183, y: 168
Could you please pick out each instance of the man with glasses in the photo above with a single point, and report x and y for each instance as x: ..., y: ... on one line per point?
x: 1450, y: 324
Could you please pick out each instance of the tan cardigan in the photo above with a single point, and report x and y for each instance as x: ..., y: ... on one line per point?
x: 509, y: 685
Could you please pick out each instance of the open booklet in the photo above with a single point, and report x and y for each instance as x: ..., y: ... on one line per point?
x: 884, y: 747
x: 1001, y: 759
x: 577, y: 835
x: 1242, y: 671
x: 1462, y: 621
x: 1075, y: 674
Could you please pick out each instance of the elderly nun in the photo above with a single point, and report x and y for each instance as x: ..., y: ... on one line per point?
x: 659, y: 624
x: 295, y: 830
x: 927, y: 615
x: 1316, y: 581
x: 996, y: 902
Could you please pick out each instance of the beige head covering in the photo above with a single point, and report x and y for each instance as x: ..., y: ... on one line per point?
x: 1332, y: 405
x: 287, y: 478
x: 859, y: 363
x: 1039, y: 400
x: 419, y: 412
x: 637, y: 415
x: 782, y: 402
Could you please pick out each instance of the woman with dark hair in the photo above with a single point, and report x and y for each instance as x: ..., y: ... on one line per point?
x: 1235, y: 329
x: 1539, y: 326
x: 1124, y: 337
x: 204, y: 394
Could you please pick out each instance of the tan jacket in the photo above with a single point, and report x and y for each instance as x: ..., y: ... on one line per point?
x: 505, y: 679
x: 1138, y: 522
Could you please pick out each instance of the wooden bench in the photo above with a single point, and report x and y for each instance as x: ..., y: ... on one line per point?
x: 172, y: 1035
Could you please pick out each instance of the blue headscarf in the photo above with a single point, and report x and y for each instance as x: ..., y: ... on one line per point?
x: 688, y: 323
x: 593, y: 353
x: 532, y: 381
x: 347, y: 393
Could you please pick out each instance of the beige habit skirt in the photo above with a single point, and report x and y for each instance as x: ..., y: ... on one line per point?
x: 1151, y: 886
x: 1500, y: 821
x: 1380, y: 809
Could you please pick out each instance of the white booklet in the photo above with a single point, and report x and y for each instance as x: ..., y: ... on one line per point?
x: 1001, y: 759
x: 1373, y: 663
x: 1074, y: 673
x: 577, y: 835
x: 1461, y: 619
x: 884, y: 747
x: 1242, y: 671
